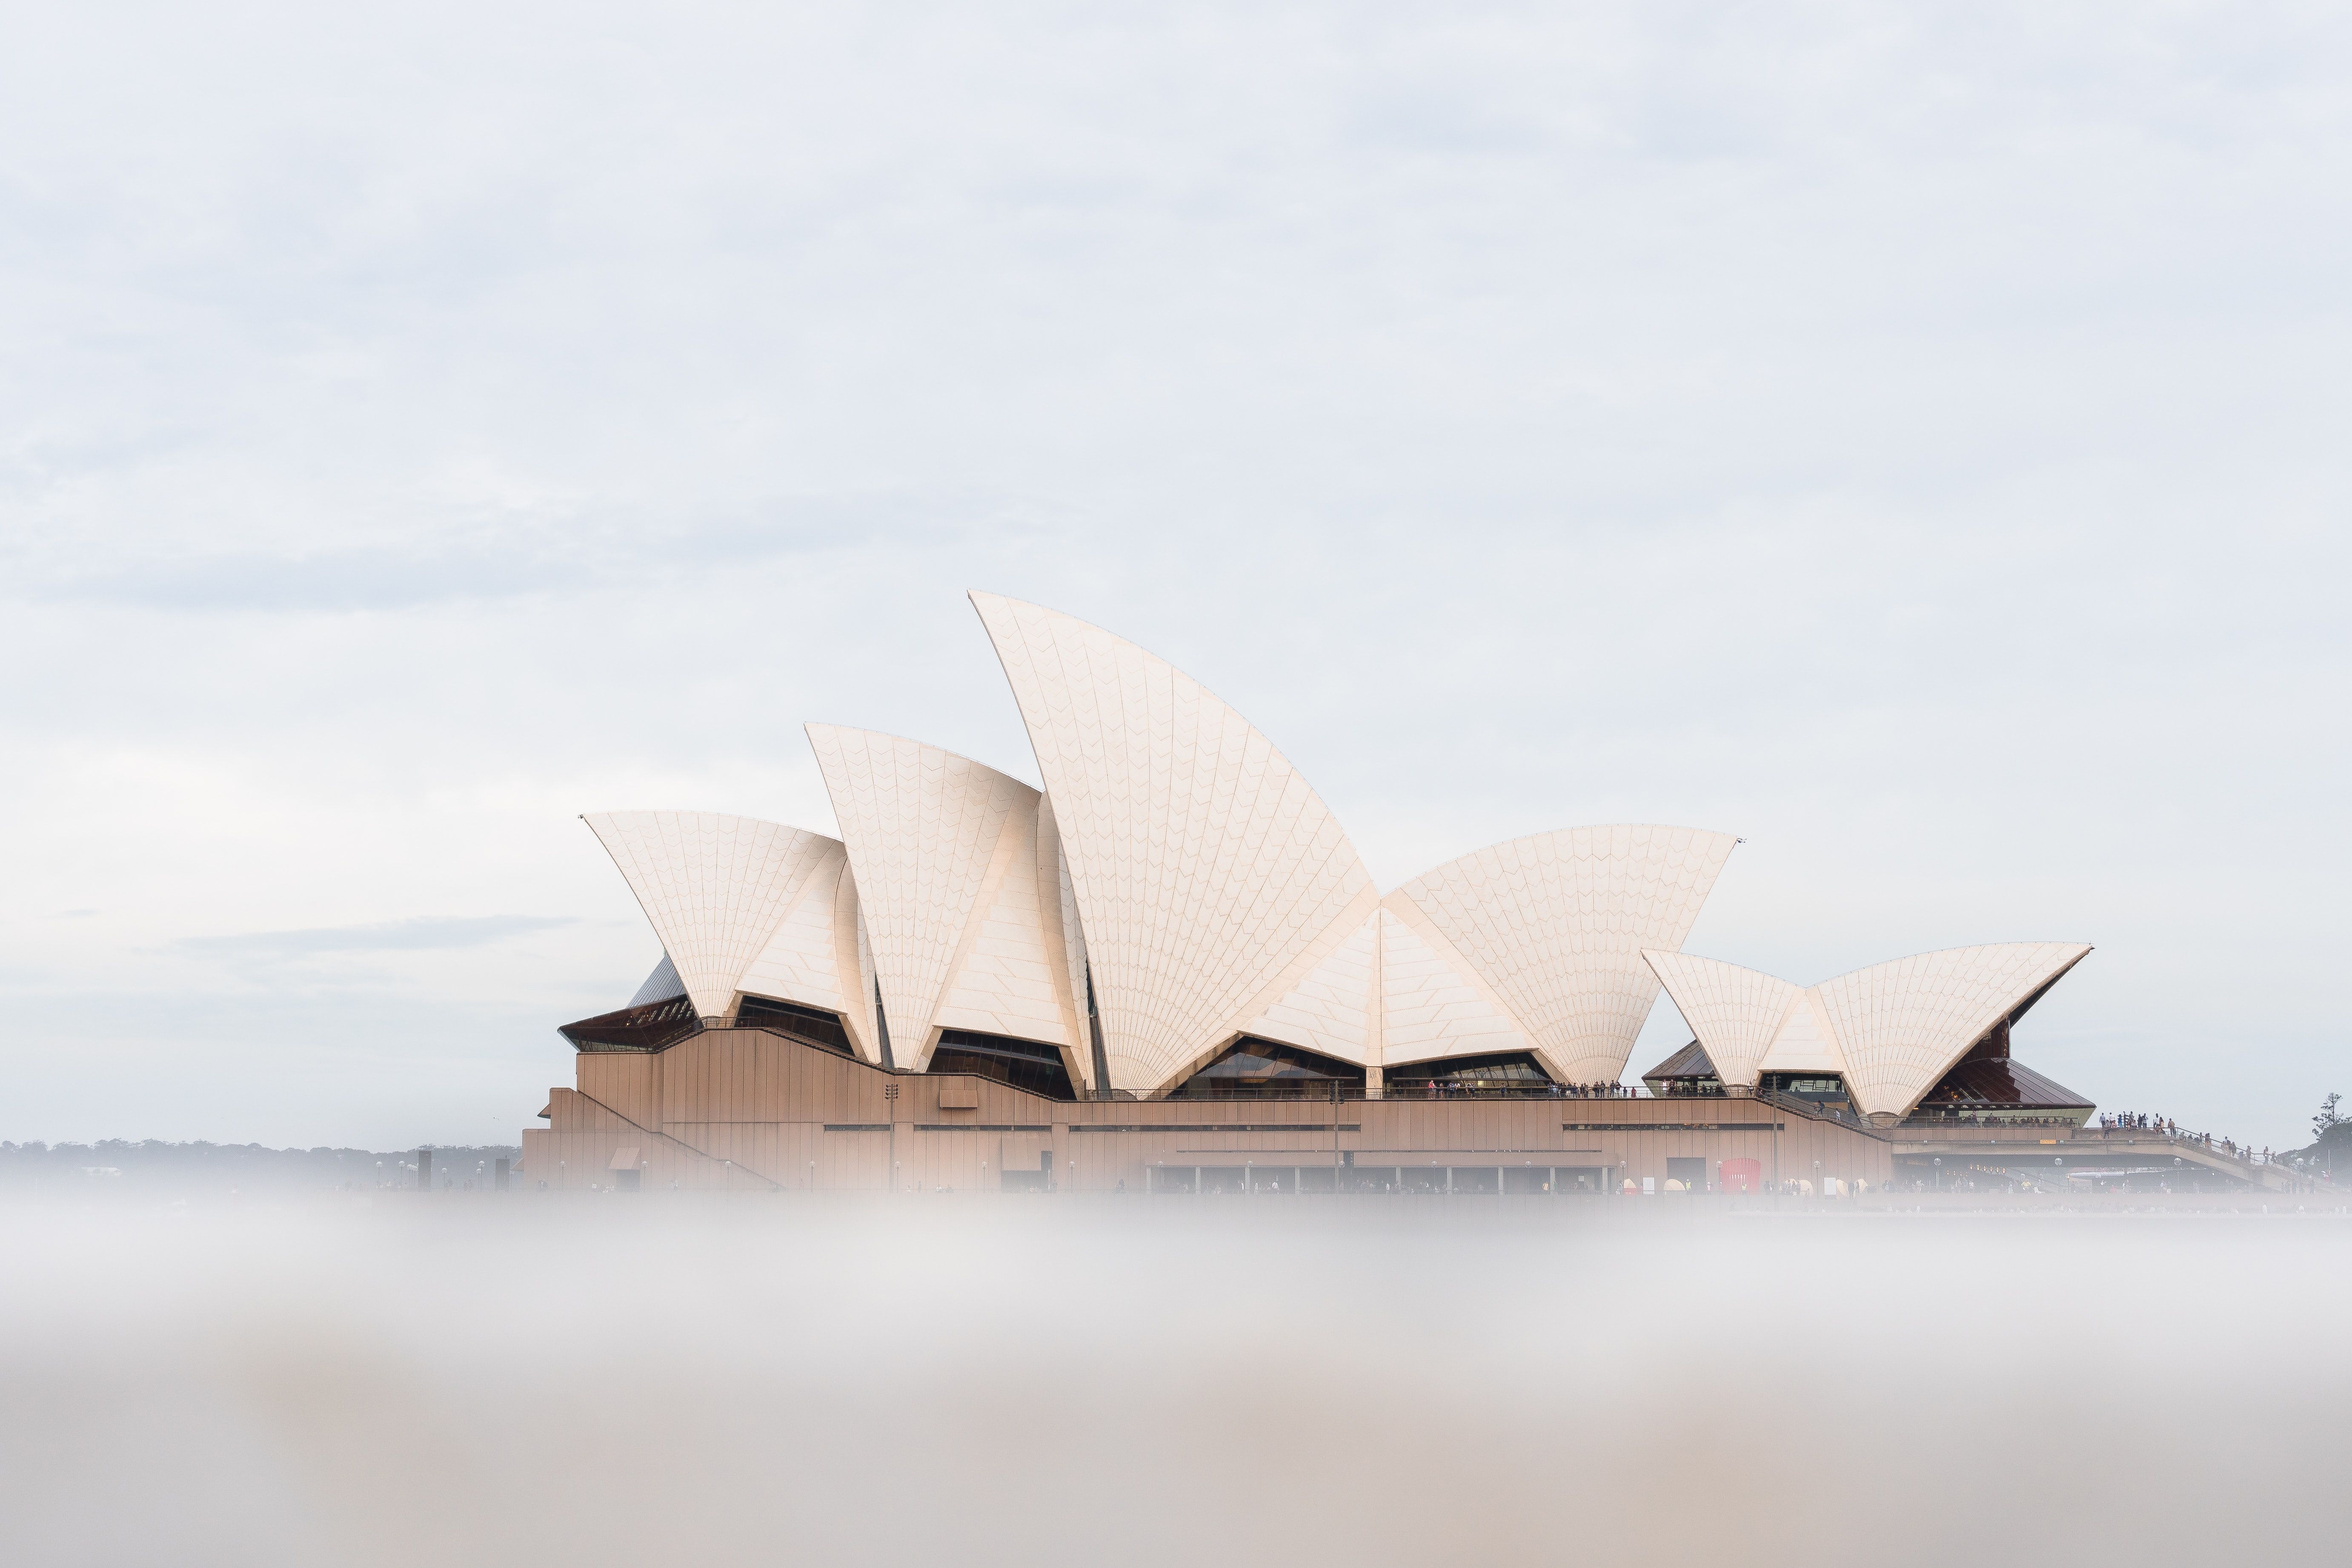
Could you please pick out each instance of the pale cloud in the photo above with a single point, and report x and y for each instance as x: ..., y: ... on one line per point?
x: 422, y: 932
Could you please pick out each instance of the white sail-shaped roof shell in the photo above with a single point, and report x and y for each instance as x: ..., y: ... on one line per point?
x: 1736, y: 1014
x: 816, y: 956
x: 1333, y: 1008
x: 1058, y: 905
x: 1555, y: 924
x: 1432, y: 1004
x: 1204, y: 869
x: 1177, y: 867
x: 1805, y: 1042
x: 1903, y: 1025
x: 1891, y: 1030
x: 714, y: 886
x: 961, y: 906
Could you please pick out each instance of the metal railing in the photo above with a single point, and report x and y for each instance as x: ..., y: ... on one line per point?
x: 1325, y: 1094
x: 2251, y: 1160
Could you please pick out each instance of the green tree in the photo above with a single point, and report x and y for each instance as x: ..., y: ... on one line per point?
x: 2326, y: 1118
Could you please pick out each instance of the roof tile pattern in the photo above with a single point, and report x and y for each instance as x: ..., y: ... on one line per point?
x: 1735, y: 1012
x: 922, y: 826
x: 1202, y: 864
x: 1005, y: 982
x: 1059, y: 904
x: 801, y: 962
x: 714, y: 886
x: 1902, y: 1024
x: 1805, y: 1043
x: 1431, y: 1006
x: 1555, y: 923
x: 1330, y: 1010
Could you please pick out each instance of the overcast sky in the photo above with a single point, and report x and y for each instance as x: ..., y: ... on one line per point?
x: 1913, y: 438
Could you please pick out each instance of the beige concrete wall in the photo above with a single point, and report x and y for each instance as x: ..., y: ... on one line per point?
x: 744, y: 1108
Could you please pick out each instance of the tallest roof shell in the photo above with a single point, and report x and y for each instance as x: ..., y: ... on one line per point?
x: 1204, y: 867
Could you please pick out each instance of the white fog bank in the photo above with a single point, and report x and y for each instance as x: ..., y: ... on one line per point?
x: 530, y: 1384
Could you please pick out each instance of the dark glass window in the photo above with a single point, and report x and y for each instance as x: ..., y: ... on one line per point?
x: 814, y: 1024
x: 1821, y: 1088
x: 1261, y: 1068
x: 645, y: 1028
x: 1501, y: 1072
x: 1024, y: 1064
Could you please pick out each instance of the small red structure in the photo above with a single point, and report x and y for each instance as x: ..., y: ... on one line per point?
x: 1741, y: 1176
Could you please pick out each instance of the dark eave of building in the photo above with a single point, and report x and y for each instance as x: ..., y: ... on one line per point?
x: 1691, y: 1061
x: 2002, y: 1081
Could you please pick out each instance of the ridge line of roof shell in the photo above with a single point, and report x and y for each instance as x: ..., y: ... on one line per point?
x: 691, y: 811
x: 813, y: 724
x: 2088, y: 948
x: 977, y: 595
x: 1556, y: 832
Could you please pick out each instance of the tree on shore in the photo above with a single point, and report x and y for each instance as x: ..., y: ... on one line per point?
x: 2331, y: 1138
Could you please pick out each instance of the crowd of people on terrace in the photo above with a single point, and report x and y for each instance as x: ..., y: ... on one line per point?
x: 1995, y: 1117
x: 2141, y: 1122
x: 1437, y: 1088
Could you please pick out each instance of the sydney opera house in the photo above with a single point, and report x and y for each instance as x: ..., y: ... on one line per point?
x: 1169, y: 972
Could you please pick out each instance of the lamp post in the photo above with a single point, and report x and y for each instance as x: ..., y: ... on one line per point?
x: 1939, y: 1173
x: 1335, y: 1137
x: 890, y: 1104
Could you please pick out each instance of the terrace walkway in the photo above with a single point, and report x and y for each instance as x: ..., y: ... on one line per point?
x: 2095, y: 1147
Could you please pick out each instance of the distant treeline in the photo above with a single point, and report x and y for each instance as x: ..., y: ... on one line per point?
x: 156, y: 1166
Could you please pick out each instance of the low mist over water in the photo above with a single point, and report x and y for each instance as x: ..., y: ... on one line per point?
x: 420, y: 1379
